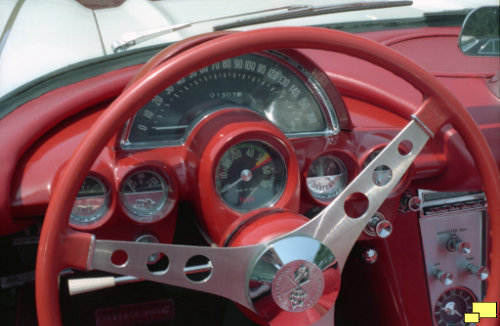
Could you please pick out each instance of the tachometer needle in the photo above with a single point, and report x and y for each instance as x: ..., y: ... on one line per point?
x: 229, y: 186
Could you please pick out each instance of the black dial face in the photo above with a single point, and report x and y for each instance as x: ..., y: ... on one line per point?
x: 250, y: 175
x: 251, y: 81
x: 452, y: 305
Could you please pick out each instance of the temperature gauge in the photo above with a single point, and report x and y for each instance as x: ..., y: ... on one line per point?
x: 91, y: 202
x: 326, y: 177
x: 144, y: 195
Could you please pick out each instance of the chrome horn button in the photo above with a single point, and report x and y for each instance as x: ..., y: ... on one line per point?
x: 297, y: 286
x: 295, y: 275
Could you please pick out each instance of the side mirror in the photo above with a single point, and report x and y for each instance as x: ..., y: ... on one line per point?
x: 480, y: 33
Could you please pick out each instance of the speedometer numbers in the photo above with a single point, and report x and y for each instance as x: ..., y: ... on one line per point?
x: 286, y: 95
x: 250, y: 175
x: 326, y: 178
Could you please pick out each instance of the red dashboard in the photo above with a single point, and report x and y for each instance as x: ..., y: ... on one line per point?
x: 371, y: 106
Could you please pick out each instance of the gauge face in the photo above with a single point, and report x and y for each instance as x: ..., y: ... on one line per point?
x: 326, y: 177
x: 382, y: 174
x: 144, y: 195
x: 91, y: 202
x: 251, y: 81
x: 451, y: 306
x: 250, y: 175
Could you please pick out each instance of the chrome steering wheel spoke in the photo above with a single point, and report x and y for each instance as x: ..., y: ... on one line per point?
x: 222, y: 271
x: 238, y: 273
x: 339, y: 225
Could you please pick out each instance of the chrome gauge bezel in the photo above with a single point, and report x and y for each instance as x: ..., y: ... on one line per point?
x: 95, y: 217
x: 325, y: 197
x: 161, y: 207
x: 278, y: 154
x: 315, y: 87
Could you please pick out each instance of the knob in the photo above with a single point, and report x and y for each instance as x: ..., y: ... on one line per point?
x: 379, y: 226
x: 410, y: 203
x: 446, y: 278
x: 481, y: 272
x: 454, y: 243
x: 369, y: 256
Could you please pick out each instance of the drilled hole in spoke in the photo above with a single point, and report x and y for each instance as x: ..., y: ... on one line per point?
x: 356, y: 205
x: 119, y: 258
x: 405, y: 147
x: 382, y: 175
x: 198, y: 268
x: 158, y: 263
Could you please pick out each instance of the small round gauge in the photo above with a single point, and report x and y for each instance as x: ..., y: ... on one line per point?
x: 250, y: 175
x: 451, y: 306
x: 91, y: 202
x: 326, y: 177
x: 144, y: 195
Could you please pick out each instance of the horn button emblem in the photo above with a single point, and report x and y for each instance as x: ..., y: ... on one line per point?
x: 298, y: 286
x: 295, y: 275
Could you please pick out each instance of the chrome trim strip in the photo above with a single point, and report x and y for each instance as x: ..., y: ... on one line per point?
x: 422, y: 125
x: 8, y: 26
x: 90, y: 257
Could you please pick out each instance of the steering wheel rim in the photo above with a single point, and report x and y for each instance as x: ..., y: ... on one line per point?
x: 439, y: 107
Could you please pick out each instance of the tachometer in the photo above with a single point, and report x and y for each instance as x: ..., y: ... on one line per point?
x: 261, y: 83
x: 250, y: 175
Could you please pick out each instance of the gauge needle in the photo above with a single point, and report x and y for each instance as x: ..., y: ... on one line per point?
x: 131, y: 186
x: 229, y: 186
x: 449, y: 308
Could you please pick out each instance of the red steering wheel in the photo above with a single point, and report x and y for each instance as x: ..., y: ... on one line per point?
x: 329, y: 236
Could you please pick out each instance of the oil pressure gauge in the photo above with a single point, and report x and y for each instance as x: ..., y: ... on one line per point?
x: 91, y: 202
x: 144, y: 195
x: 326, y: 177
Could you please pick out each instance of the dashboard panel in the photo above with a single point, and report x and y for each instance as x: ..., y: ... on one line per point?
x: 182, y: 168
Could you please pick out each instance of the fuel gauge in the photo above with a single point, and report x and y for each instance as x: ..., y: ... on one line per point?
x: 144, y: 195
x: 326, y: 177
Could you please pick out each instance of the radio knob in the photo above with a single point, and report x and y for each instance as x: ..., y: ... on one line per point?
x: 481, y: 272
x: 446, y: 278
x: 455, y: 244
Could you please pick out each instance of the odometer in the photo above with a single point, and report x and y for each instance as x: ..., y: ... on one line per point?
x: 283, y: 94
x: 250, y: 175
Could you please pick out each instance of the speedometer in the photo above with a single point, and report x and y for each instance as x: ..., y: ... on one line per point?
x: 250, y: 175
x: 278, y: 90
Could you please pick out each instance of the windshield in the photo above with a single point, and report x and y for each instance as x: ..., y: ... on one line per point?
x: 40, y: 37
